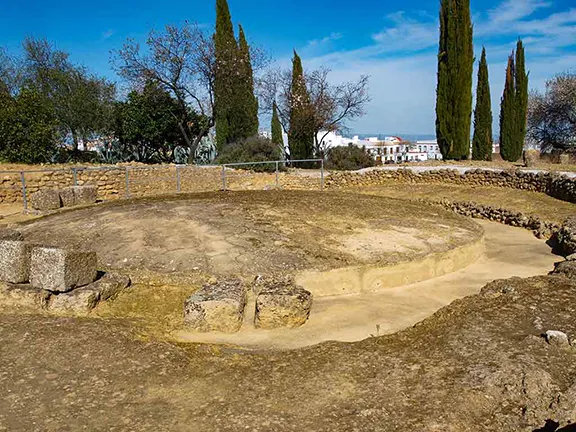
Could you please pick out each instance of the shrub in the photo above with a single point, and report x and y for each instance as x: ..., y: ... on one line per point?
x: 349, y: 158
x: 255, y: 149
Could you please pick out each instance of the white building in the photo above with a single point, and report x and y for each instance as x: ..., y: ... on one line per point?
x: 430, y: 147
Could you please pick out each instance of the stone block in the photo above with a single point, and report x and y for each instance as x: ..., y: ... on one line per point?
x: 60, y: 270
x: 14, y: 261
x: 282, y: 304
x: 557, y: 338
x: 45, y: 199
x: 79, y: 301
x: 85, y: 195
x: 531, y: 158
x: 23, y: 295
x: 78, y: 195
x: 67, y: 196
x: 216, y: 307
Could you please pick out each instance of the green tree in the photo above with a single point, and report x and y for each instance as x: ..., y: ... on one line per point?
x: 454, y: 88
x: 225, y: 83
x: 348, y: 158
x: 301, y: 134
x: 81, y: 101
x: 245, y: 113
x: 277, y: 138
x: 28, y: 128
x: 508, y: 144
x: 482, y: 140
x: 521, y: 88
x: 146, y: 125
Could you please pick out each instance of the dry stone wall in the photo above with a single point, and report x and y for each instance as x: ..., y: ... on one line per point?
x: 553, y: 184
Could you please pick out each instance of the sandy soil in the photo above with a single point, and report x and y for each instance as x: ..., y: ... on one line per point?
x: 250, y: 233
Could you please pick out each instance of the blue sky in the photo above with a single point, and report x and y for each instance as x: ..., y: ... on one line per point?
x: 392, y: 41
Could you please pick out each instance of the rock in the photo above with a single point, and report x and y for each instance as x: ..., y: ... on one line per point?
x: 14, y: 261
x: 565, y: 268
x: 571, y: 257
x: 531, y: 158
x: 282, y: 304
x: 110, y: 285
x: 45, y: 199
x: 23, y: 295
x: 78, y: 301
x: 60, y: 270
x: 85, y: 194
x: 67, y: 196
x: 10, y: 234
x: 566, y: 236
x: 557, y: 338
x: 216, y: 307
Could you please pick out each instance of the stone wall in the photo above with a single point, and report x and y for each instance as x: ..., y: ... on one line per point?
x: 558, y: 186
x: 152, y: 180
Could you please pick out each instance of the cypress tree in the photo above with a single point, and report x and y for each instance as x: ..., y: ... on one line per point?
x: 521, y: 82
x: 301, y: 134
x: 277, y: 128
x: 482, y: 140
x: 508, y: 129
x: 224, y: 81
x: 454, y: 88
x: 244, y: 118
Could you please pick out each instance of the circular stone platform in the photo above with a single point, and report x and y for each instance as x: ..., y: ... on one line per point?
x: 308, y: 234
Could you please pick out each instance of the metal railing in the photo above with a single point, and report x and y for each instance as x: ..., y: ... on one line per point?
x: 127, y: 181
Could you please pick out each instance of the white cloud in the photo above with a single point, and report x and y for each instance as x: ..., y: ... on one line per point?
x: 108, y: 34
x: 401, y: 60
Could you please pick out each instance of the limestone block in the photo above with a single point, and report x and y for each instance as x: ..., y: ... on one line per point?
x: 67, y: 196
x: 14, y: 261
x: 85, y: 194
x: 531, y: 158
x: 45, y: 199
x: 282, y: 304
x: 23, y: 295
x: 216, y: 307
x: 78, y: 301
x: 60, y: 270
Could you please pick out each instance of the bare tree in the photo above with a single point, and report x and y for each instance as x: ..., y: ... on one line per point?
x: 180, y: 60
x: 552, y: 114
x: 332, y: 104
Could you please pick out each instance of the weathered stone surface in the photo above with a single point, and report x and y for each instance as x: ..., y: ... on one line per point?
x: 566, y: 268
x: 78, y: 301
x: 571, y: 257
x: 216, y: 307
x: 566, y: 236
x: 85, y: 195
x: 23, y: 295
x: 60, y: 270
x: 10, y: 234
x: 558, y: 338
x: 531, y: 158
x: 67, y: 196
x: 45, y: 199
x: 14, y: 261
x: 110, y: 285
x: 282, y: 304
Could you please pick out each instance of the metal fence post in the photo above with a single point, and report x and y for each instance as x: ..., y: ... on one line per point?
x: 223, y: 177
x: 24, y: 197
x: 127, y: 182
x: 178, y: 189
x: 277, y: 185
x: 322, y: 175
x: 75, y: 176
